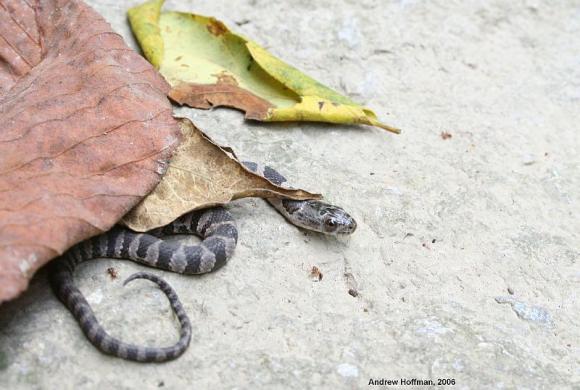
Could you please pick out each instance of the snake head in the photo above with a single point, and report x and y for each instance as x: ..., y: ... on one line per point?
x: 317, y: 216
x: 334, y: 220
x: 323, y: 217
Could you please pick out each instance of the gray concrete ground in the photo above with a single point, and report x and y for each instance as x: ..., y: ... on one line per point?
x: 466, y: 257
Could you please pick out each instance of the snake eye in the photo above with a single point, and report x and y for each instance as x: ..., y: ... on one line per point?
x: 330, y: 223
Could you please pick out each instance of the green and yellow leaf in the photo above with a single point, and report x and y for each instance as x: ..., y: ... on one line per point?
x: 207, y: 65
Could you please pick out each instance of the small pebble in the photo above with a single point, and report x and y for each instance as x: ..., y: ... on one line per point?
x: 393, y: 190
x: 528, y: 312
x: 347, y: 370
x: 528, y: 159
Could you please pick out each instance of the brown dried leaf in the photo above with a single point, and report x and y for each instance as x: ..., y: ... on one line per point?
x: 86, y: 129
x: 221, y: 94
x: 201, y: 174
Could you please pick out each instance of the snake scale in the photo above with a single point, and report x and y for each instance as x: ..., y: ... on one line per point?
x: 219, y: 235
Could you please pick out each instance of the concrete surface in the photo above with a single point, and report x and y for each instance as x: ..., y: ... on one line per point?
x: 446, y: 227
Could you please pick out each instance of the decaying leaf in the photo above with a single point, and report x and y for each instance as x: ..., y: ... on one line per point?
x: 201, y: 174
x: 208, y: 65
x: 86, y: 130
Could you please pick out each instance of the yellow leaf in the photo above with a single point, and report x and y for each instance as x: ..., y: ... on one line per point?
x: 207, y: 65
x: 145, y: 24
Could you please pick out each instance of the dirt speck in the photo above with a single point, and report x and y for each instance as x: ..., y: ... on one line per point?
x: 216, y: 27
x: 226, y: 78
x: 315, y: 273
x: 112, y: 272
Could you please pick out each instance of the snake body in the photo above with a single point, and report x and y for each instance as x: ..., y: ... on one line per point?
x: 219, y: 235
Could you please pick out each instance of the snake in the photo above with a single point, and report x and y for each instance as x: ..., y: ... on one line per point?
x: 219, y: 235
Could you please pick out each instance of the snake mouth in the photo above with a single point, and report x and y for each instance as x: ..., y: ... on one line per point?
x: 349, y: 225
x: 353, y: 227
x: 346, y: 228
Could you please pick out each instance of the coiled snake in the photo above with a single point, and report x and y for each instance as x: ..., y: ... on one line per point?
x: 219, y: 236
